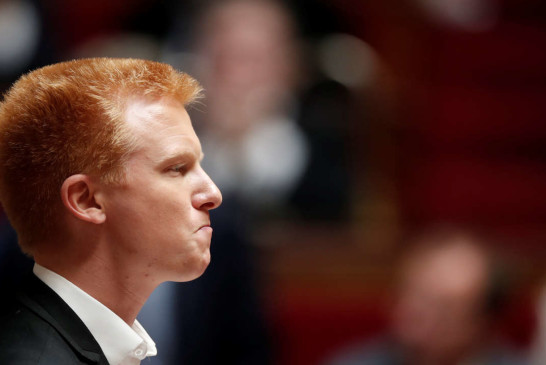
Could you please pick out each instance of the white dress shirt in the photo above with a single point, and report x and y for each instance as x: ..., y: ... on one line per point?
x: 122, y: 344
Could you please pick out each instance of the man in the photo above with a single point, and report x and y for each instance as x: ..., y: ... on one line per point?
x: 450, y: 292
x: 100, y: 176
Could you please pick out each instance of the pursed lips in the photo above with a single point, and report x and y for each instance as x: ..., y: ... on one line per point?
x: 205, y: 226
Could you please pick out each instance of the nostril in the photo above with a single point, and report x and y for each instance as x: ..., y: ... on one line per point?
x: 209, y: 205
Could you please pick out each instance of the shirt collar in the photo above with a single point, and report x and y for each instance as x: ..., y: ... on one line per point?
x: 121, y: 343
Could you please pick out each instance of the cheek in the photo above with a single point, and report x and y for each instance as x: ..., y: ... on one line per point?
x: 155, y: 219
x: 143, y: 218
x: 162, y: 206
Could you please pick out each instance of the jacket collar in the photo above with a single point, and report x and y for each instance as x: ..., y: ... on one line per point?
x: 43, y: 301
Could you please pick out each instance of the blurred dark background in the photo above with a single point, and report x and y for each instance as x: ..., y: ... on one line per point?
x: 337, y: 131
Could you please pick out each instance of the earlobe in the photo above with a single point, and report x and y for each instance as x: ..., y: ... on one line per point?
x: 79, y: 196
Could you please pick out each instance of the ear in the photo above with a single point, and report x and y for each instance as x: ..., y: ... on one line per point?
x: 79, y: 196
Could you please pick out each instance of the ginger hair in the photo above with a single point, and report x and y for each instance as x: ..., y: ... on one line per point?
x: 66, y: 119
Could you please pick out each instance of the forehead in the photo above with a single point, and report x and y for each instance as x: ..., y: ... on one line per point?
x: 456, y: 270
x: 141, y: 113
x: 161, y: 127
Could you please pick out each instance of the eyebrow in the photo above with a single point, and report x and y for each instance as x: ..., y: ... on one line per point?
x: 181, y: 155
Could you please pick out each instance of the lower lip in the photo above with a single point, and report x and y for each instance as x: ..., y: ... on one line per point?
x: 207, y: 229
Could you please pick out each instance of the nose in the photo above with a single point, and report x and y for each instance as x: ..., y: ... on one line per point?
x: 208, y: 196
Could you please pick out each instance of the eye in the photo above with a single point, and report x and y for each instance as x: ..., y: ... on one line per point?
x: 180, y: 169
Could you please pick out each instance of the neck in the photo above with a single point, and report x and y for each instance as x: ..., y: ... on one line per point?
x: 109, y: 279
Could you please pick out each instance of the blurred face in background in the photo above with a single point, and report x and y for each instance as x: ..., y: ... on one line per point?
x: 248, y: 47
x: 438, y: 315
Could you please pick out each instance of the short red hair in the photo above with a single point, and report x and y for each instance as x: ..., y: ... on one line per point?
x: 68, y: 118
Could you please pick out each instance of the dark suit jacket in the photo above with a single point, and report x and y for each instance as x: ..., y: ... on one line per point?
x: 42, y: 329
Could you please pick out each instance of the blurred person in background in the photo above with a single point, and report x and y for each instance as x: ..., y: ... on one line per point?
x: 248, y: 61
x: 448, y: 297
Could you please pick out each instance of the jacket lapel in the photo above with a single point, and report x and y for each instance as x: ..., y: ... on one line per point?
x: 43, y: 301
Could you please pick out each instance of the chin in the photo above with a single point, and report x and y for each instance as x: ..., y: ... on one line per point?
x: 197, y: 268
x: 203, y: 266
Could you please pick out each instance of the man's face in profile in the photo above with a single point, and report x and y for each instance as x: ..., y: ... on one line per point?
x: 159, y: 216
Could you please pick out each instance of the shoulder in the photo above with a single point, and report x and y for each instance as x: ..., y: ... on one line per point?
x: 40, y: 328
x: 25, y: 338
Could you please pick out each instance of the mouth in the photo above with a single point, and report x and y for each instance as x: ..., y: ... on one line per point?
x: 205, y: 227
